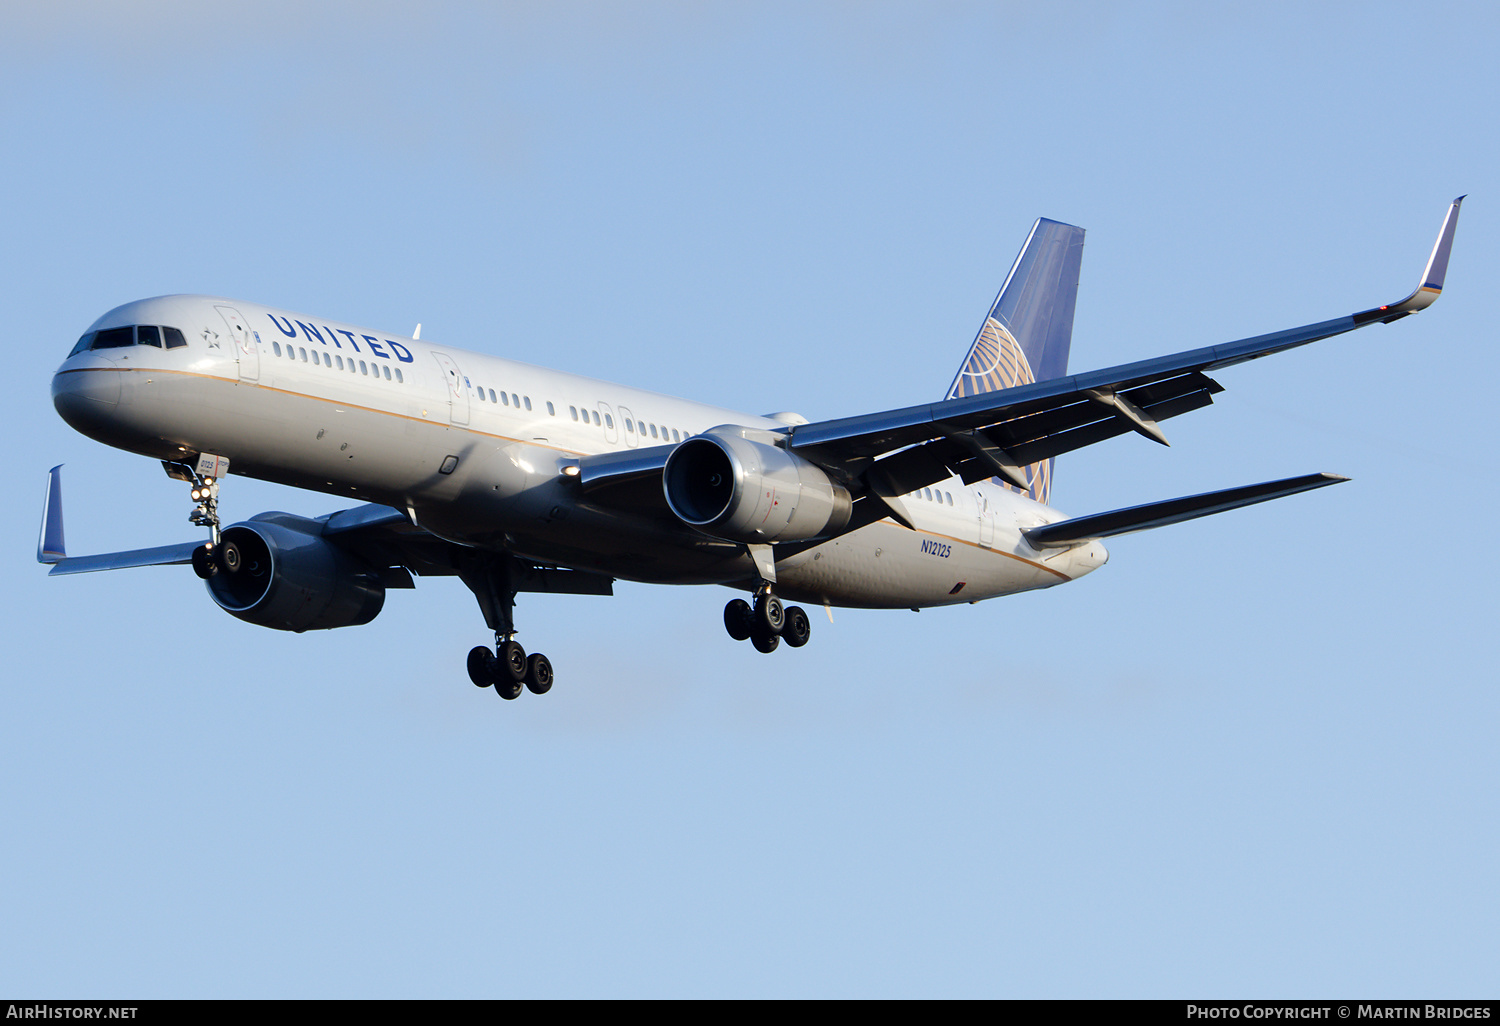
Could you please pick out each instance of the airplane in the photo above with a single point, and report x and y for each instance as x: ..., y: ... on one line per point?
x: 515, y: 478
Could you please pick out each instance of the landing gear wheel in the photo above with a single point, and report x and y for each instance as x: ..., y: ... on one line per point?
x: 769, y: 613
x: 798, y: 628
x: 762, y: 639
x: 737, y: 619
x: 511, y: 660
x: 538, y: 674
x: 510, y: 690
x: 203, y: 562
x: 229, y: 557
x: 481, y: 666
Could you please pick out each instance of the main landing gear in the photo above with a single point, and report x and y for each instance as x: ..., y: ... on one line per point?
x: 767, y: 623
x: 508, y: 669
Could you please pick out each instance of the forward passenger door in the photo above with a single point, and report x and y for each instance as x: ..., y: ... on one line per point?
x: 245, y: 349
x: 458, y: 389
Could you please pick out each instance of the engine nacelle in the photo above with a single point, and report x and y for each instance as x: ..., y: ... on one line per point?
x: 735, y: 483
x: 292, y: 579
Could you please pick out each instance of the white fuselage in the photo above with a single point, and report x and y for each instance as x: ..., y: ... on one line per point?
x: 473, y: 448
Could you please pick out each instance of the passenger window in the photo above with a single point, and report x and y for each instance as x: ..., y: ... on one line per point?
x: 596, y: 417
x: 550, y: 411
x: 303, y: 352
x: 339, y: 360
x: 399, y: 378
x: 481, y: 395
x: 629, y: 426
x: 114, y: 338
x: 504, y: 399
x: 653, y: 430
x: 573, y: 412
x: 609, y: 421
x: 174, y: 338
x: 276, y: 347
x: 327, y: 360
x: 515, y: 400
x: 528, y: 402
x: 674, y: 435
x: 492, y: 395
x: 385, y: 369
x: 363, y: 369
x: 148, y: 335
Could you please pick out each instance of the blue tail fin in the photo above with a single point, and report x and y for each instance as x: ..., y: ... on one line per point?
x: 1028, y: 331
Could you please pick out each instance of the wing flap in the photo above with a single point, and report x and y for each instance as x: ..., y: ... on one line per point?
x: 1049, y: 434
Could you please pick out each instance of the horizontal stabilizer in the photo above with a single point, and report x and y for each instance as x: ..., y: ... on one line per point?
x: 1169, y: 511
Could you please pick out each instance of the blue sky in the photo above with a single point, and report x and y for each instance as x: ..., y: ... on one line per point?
x: 1255, y: 755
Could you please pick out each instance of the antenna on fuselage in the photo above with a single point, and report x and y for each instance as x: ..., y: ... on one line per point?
x: 417, y: 334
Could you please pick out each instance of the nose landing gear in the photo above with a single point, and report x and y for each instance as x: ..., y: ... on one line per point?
x: 203, y: 479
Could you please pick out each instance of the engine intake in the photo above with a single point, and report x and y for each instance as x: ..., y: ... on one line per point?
x: 290, y: 578
x: 730, y: 485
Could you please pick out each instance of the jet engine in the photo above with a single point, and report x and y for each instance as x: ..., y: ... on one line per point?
x: 735, y: 483
x: 278, y: 571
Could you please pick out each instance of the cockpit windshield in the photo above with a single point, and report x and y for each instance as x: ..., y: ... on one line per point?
x: 134, y: 335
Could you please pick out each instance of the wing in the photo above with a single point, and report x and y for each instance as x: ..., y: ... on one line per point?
x: 994, y: 433
x: 381, y: 536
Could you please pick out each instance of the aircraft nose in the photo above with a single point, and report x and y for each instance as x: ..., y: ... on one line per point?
x: 85, y: 395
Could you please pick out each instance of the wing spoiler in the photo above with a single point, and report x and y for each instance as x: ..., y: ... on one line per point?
x: 1170, y: 511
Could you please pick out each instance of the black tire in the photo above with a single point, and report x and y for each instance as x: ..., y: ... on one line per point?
x: 538, y: 674
x: 798, y: 628
x: 737, y: 619
x: 229, y: 557
x: 508, y: 690
x: 769, y: 612
x: 764, y: 640
x: 511, y: 662
x: 203, y: 562
x: 481, y: 666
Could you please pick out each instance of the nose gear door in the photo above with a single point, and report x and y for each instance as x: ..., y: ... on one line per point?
x: 245, y: 349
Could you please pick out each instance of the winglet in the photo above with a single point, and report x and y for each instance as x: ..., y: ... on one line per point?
x: 1432, y: 277
x: 49, y: 544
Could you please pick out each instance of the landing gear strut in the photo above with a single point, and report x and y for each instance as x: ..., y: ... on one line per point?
x: 203, y: 481
x: 767, y: 623
x: 508, y: 669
